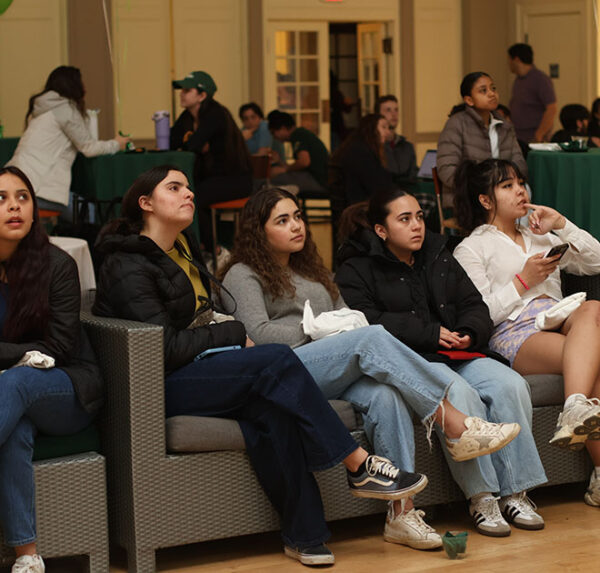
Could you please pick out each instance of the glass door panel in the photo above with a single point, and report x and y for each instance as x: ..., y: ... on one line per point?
x: 370, y: 63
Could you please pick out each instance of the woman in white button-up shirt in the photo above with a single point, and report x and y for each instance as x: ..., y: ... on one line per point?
x: 507, y: 264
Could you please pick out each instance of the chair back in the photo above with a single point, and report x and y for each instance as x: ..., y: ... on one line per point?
x: 451, y: 222
x: 261, y: 166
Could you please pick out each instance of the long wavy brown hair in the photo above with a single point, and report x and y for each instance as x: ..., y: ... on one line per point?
x: 252, y: 248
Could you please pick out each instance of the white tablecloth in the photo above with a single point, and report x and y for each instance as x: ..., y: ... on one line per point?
x: 79, y: 250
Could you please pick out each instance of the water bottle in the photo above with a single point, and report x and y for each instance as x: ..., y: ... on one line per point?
x: 161, y: 129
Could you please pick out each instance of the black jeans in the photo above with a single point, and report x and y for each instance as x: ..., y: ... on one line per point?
x: 289, y: 428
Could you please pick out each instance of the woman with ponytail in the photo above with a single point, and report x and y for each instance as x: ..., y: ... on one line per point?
x: 39, y: 311
x: 403, y: 278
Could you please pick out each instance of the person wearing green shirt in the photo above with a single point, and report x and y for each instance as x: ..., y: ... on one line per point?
x: 309, y: 170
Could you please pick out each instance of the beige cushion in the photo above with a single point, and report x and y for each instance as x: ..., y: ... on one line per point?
x: 203, y: 434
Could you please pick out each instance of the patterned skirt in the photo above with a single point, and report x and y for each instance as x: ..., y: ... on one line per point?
x: 511, y: 334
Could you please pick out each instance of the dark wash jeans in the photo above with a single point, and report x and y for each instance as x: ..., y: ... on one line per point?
x: 289, y: 428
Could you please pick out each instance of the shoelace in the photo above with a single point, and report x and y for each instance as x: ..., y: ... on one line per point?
x: 415, y: 518
x: 523, y: 503
x: 488, y: 506
x: 376, y: 464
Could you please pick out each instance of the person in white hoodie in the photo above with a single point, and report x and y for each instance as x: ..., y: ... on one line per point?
x: 56, y: 129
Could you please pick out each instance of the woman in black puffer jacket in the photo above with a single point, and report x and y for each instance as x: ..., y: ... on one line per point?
x: 57, y: 391
x: 407, y: 281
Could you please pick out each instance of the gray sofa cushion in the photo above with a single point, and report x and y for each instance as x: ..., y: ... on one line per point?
x: 546, y: 389
x: 203, y: 434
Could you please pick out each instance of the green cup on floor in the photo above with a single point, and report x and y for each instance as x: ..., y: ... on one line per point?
x: 455, y: 543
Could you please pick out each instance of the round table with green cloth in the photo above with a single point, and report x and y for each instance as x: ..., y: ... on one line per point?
x: 570, y: 183
x: 7, y: 148
x: 108, y: 177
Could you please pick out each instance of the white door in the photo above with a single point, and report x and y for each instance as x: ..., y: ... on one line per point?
x: 297, y: 73
x: 371, y: 67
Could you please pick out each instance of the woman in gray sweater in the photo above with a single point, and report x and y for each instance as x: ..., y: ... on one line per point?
x: 274, y: 269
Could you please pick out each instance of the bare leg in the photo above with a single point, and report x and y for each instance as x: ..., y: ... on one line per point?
x: 29, y: 549
x: 541, y: 353
x: 408, y: 505
x: 450, y: 420
x: 357, y: 457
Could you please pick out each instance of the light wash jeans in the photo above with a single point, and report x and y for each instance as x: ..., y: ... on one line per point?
x: 380, y: 376
x: 30, y: 400
x: 491, y: 390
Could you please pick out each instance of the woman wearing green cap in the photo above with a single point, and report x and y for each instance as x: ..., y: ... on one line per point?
x: 222, y: 170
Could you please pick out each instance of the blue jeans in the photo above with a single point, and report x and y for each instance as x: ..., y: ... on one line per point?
x: 289, y: 428
x: 380, y: 376
x: 490, y: 390
x: 30, y: 400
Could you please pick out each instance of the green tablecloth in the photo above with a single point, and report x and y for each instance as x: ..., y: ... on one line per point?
x: 570, y: 183
x: 107, y: 177
x: 7, y: 148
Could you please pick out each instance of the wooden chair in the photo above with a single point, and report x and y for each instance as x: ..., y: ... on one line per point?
x: 445, y: 223
x: 261, y: 169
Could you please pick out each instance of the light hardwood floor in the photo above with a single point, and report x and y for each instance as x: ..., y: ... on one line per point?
x: 570, y: 543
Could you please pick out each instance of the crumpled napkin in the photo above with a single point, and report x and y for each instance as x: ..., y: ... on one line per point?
x: 552, y: 318
x: 36, y: 359
x: 332, y: 322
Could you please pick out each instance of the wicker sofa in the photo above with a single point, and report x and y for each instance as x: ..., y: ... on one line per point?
x: 157, y: 498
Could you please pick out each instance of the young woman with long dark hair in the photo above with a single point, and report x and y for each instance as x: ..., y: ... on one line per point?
x: 273, y: 270
x: 55, y: 130
x: 507, y: 263
x: 152, y: 272
x: 403, y: 277
x: 39, y: 311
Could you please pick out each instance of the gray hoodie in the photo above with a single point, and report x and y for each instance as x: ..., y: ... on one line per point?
x: 47, y: 149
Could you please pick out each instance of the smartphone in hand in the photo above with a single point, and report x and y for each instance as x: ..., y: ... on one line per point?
x: 557, y: 250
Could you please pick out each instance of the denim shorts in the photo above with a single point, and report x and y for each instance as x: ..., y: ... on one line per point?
x: 511, y: 334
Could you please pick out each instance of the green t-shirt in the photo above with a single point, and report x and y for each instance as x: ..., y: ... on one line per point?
x: 304, y: 140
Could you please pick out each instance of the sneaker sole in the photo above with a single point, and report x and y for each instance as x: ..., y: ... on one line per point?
x: 309, y: 559
x: 473, y: 455
x: 398, y: 494
x: 576, y: 442
x: 421, y: 545
x: 492, y: 533
x: 527, y: 526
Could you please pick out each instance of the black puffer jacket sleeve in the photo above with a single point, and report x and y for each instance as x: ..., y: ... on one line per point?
x: 357, y: 285
x: 128, y: 288
x: 62, y: 340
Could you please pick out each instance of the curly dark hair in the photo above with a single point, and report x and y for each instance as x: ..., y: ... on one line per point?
x: 252, y: 248
x: 28, y: 277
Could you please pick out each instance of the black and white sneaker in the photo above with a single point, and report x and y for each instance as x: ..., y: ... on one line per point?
x: 315, y: 555
x: 488, y: 520
x: 519, y: 510
x: 383, y: 480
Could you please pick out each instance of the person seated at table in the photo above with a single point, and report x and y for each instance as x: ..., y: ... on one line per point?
x: 273, y: 272
x: 222, y: 170
x: 475, y: 131
x: 404, y: 278
x: 309, y: 170
x: 574, y: 118
x: 257, y: 135
x: 152, y: 272
x: 594, y: 125
x: 507, y: 263
x: 56, y: 129
x: 39, y: 313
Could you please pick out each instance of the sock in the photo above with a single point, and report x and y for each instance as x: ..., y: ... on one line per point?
x: 361, y: 468
x: 574, y: 398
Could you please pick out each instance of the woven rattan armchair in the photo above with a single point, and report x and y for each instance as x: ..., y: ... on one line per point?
x: 157, y: 499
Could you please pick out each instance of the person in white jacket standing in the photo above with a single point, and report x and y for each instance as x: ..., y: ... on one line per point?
x: 56, y: 129
x: 518, y: 279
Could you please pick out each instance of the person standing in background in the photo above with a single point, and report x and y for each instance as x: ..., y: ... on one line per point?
x: 533, y: 103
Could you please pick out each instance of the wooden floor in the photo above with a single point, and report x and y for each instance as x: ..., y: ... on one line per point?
x: 570, y: 543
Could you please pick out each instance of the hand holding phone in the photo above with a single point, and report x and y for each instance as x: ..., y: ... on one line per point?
x: 557, y: 250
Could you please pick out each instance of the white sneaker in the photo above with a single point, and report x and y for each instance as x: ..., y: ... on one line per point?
x: 486, y: 513
x: 519, y: 510
x: 578, y: 422
x: 28, y: 564
x: 481, y: 438
x: 592, y: 495
x: 408, y: 528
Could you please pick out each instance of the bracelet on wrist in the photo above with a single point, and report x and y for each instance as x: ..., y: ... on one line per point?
x: 525, y: 285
